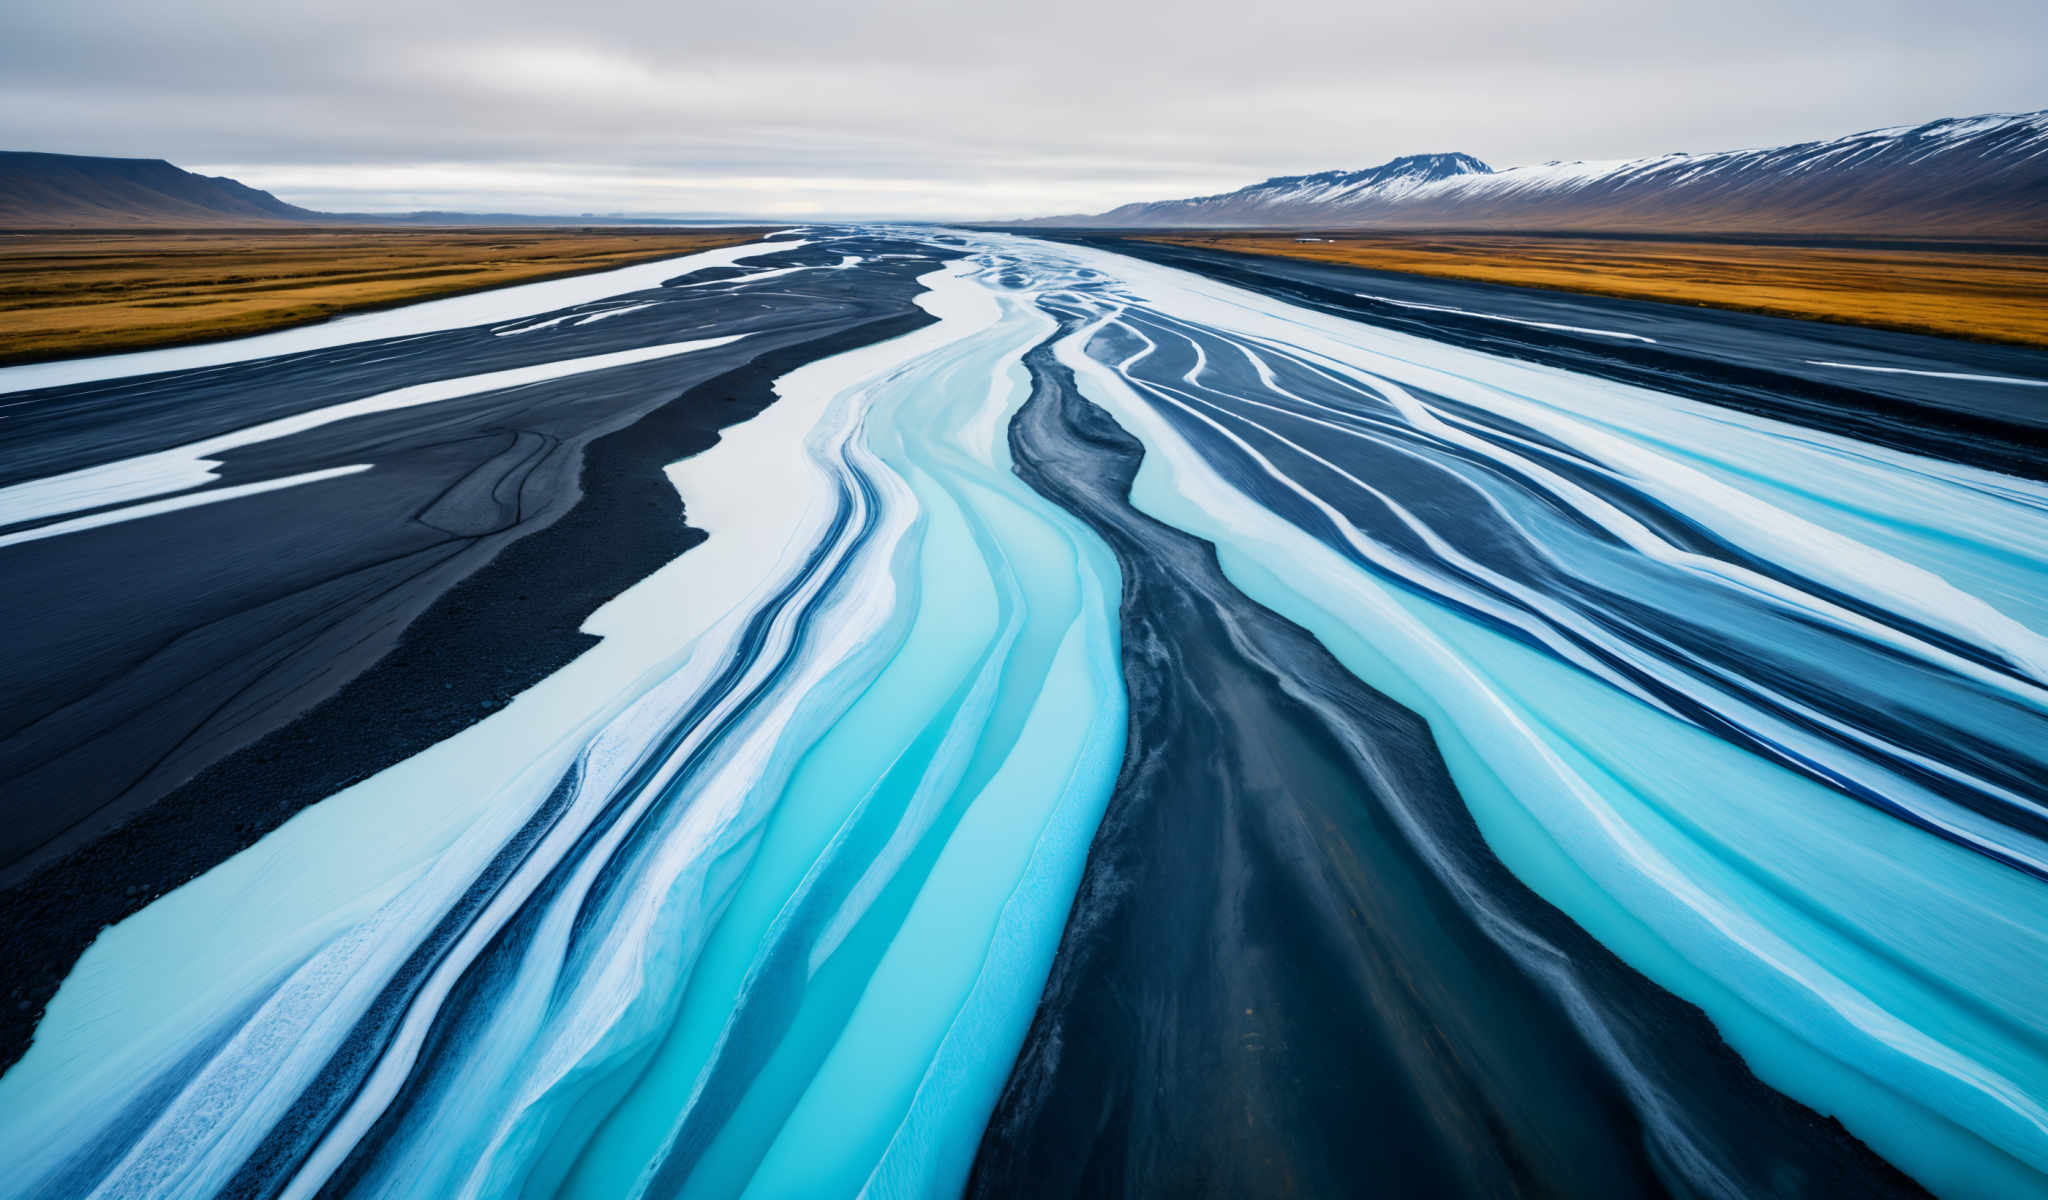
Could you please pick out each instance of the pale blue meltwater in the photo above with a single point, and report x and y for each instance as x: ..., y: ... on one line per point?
x: 1827, y: 940
x: 794, y: 957
x: 894, y: 925
x: 814, y: 806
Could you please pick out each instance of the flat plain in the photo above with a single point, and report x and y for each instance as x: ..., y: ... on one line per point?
x: 1982, y: 294
x: 78, y: 292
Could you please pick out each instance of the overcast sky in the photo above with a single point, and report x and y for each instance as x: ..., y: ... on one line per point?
x: 926, y: 108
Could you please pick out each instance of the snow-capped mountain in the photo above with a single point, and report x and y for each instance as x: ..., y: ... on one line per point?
x: 1967, y: 176
x: 1283, y: 199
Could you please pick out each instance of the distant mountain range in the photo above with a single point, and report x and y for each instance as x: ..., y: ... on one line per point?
x: 75, y: 191
x: 1965, y: 177
x: 1975, y: 177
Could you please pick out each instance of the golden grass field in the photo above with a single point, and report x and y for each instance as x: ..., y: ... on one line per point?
x: 91, y: 293
x: 1999, y: 296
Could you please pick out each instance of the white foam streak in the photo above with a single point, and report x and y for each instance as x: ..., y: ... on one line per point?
x: 1466, y: 312
x: 2011, y: 379
x: 175, y: 504
x: 491, y: 307
x: 194, y: 463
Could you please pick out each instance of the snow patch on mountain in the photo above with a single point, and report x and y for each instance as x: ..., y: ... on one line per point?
x: 1962, y: 176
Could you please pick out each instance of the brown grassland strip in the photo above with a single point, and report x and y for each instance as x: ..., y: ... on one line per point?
x: 69, y: 293
x: 1984, y: 295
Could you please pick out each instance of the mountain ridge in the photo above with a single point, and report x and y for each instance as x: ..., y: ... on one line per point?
x: 47, y: 191
x: 1983, y: 176
x: 40, y: 189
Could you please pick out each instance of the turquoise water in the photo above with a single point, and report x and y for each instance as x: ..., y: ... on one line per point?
x: 805, y: 884
x: 1880, y: 974
x: 806, y: 826
x: 945, y: 814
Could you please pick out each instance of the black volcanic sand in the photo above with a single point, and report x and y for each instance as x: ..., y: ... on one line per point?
x: 1294, y: 967
x: 188, y: 682
x: 1744, y: 361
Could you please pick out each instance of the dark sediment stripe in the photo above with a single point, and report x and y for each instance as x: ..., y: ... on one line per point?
x: 469, y: 1005
x: 147, y: 651
x: 1293, y: 965
x: 507, y: 625
x: 1855, y: 681
x: 1998, y: 438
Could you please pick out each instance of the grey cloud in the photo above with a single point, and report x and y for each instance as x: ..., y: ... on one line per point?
x: 931, y: 109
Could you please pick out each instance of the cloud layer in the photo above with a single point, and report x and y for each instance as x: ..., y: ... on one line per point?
x: 921, y: 108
